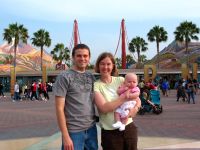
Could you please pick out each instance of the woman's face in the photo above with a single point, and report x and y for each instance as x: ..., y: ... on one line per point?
x: 105, y: 66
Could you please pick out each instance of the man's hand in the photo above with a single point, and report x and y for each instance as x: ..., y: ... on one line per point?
x: 68, y: 144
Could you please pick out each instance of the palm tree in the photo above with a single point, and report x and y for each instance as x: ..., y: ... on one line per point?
x: 90, y: 66
x: 60, y: 53
x: 15, y: 33
x: 186, y: 32
x: 138, y: 45
x: 143, y: 58
x: 118, y: 63
x: 40, y: 39
x: 129, y: 60
x: 157, y: 34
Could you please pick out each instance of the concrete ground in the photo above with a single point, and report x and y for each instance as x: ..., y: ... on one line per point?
x: 31, y: 125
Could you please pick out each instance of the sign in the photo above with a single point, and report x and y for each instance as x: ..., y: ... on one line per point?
x: 149, y: 72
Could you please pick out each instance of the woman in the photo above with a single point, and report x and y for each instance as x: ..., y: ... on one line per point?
x: 107, y: 101
x: 190, y: 90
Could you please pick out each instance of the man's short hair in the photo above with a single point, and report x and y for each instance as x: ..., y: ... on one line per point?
x: 80, y: 46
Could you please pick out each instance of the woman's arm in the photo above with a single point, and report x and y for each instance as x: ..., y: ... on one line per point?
x: 136, y: 108
x: 122, y: 89
x: 134, y: 95
x: 133, y: 111
x: 104, y: 106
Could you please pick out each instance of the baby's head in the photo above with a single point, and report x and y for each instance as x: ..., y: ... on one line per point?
x: 131, y: 80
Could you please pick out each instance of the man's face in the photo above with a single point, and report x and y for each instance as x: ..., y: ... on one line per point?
x: 81, y: 59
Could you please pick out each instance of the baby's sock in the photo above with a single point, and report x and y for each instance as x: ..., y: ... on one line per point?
x: 117, y: 124
x: 122, y: 128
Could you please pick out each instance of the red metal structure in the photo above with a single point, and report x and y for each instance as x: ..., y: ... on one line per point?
x: 76, y: 39
x: 123, y: 45
x: 75, y: 33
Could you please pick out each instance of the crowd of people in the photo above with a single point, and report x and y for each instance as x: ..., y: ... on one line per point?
x: 187, y: 89
x: 34, y: 91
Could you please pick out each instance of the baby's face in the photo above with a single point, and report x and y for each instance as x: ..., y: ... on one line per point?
x: 131, y: 81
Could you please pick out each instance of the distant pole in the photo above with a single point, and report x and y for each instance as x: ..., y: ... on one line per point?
x: 123, y: 45
x: 75, y: 33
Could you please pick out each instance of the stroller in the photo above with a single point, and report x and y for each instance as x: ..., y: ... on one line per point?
x: 150, y: 102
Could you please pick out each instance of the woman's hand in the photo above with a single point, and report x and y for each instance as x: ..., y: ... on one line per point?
x: 125, y: 96
x: 128, y: 95
x: 124, y: 120
x: 135, y: 109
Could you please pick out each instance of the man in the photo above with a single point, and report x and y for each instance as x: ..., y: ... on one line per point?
x: 1, y: 90
x: 75, y: 105
x: 16, y: 90
x: 34, y: 90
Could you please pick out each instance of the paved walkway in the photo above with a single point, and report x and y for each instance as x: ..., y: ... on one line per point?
x: 31, y: 125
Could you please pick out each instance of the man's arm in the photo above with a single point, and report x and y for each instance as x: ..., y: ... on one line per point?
x: 60, y: 104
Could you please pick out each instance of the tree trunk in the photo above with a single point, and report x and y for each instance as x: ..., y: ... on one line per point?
x: 187, y: 52
x: 158, y: 54
x: 41, y: 58
x: 139, y: 59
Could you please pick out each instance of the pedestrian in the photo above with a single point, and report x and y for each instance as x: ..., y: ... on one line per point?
x: 1, y: 90
x: 181, y: 92
x: 40, y: 90
x: 107, y: 100
x: 16, y: 92
x: 190, y: 90
x: 45, y: 91
x: 34, y: 90
x: 74, y: 100
x: 165, y: 87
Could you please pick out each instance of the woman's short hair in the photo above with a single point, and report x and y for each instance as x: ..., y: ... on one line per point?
x: 103, y: 56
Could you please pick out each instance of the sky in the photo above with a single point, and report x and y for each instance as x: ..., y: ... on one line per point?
x: 99, y: 21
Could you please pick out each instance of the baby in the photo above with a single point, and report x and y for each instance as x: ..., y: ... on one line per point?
x: 130, y: 84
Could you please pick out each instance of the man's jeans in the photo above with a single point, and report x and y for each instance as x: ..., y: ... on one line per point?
x: 84, y: 140
x: 16, y: 96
